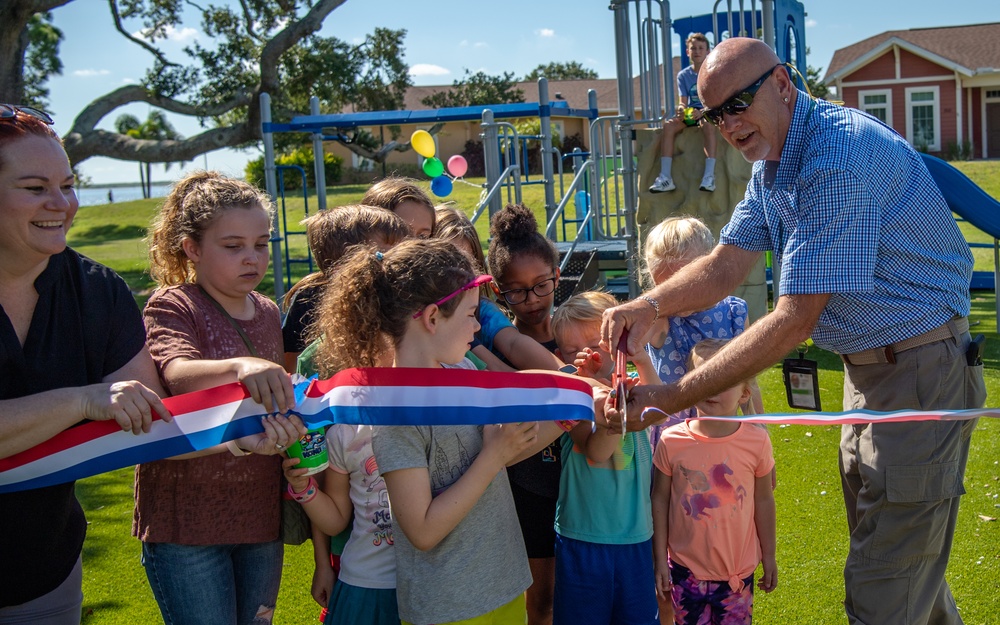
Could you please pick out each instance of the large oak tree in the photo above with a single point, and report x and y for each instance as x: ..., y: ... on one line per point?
x: 252, y: 46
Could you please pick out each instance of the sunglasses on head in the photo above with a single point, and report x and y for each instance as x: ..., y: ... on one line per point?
x: 739, y: 102
x: 10, y: 111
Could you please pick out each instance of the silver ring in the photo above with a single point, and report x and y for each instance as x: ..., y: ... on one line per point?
x: 280, y: 446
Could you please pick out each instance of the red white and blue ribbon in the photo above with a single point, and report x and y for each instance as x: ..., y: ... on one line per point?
x: 207, y: 418
x: 402, y: 396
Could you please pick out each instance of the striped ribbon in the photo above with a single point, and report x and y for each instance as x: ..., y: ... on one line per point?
x: 400, y: 396
x: 207, y: 418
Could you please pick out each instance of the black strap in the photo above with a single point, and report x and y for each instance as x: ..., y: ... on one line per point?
x: 236, y: 326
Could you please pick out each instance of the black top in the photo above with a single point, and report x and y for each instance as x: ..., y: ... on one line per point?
x: 86, y: 326
x: 540, y: 473
x: 299, y: 316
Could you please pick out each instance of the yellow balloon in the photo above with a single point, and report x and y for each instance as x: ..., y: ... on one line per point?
x: 423, y: 143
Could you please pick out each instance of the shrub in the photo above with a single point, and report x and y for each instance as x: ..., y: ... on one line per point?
x: 303, y: 157
x: 955, y: 152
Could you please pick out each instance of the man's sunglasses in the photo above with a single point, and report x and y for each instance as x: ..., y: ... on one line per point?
x: 10, y: 111
x: 739, y: 102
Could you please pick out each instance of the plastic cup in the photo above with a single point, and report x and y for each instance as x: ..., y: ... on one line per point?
x: 311, y: 451
x: 689, y: 119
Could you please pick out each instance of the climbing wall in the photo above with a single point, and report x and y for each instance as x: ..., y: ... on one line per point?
x: 732, y: 173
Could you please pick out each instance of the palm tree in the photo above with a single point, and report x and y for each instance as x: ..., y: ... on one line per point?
x: 156, y: 128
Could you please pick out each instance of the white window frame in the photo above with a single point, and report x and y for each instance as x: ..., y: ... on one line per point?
x: 888, y: 102
x: 935, y: 103
x: 560, y: 129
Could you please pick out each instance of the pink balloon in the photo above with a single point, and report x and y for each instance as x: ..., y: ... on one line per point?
x: 457, y: 165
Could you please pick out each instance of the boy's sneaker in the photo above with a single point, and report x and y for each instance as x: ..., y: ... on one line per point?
x: 662, y: 184
x: 708, y: 183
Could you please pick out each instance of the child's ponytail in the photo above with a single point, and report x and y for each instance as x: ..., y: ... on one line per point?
x: 514, y: 234
x: 372, y: 298
x: 348, y: 319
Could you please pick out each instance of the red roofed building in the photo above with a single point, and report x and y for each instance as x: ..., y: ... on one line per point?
x: 938, y: 87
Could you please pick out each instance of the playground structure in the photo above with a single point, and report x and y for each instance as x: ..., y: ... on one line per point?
x: 601, y: 247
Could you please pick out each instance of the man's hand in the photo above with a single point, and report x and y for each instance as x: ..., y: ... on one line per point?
x: 636, y: 316
x: 640, y: 397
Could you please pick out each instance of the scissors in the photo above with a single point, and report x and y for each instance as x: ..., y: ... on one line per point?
x: 618, y: 380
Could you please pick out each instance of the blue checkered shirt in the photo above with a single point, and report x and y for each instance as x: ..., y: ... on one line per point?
x: 851, y: 210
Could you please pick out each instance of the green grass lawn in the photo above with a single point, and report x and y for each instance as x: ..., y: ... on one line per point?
x: 812, y: 534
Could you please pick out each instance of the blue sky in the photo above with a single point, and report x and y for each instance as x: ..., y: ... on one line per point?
x: 444, y: 37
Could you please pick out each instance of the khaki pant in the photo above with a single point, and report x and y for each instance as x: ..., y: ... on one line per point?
x: 902, y: 483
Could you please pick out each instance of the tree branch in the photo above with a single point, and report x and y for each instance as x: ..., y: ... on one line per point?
x: 293, y: 33
x: 248, y: 19
x: 85, y: 139
x: 81, y: 146
x: 41, y: 6
x: 120, y: 28
x: 380, y: 155
x: 94, y: 112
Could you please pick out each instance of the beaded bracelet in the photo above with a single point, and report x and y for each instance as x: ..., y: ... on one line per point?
x: 566, y: 424
x: 308, y: 494
x: 655, y: 304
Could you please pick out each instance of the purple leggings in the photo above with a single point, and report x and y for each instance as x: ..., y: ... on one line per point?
x: 698, y: 602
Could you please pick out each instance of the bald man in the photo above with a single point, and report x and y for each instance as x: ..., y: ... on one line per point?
x: 874, y: 268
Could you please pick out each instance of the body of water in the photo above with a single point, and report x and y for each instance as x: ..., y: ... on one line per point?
x: 89, y: 196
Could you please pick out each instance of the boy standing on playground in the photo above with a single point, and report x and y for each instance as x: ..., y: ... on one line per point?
x: 687, y: 91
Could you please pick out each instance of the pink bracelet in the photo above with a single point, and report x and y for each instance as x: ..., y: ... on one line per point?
x: 566, y: 424
x: 308, y: 494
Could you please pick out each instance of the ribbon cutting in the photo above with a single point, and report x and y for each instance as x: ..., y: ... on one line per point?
x: 356, y: 396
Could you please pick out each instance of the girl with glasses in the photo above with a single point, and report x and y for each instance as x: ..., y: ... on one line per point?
x: 525, y: 266
x: 498, y: 344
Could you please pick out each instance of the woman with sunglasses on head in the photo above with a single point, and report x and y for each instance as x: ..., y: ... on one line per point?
x: 72, y: 349
x: 874, y: 268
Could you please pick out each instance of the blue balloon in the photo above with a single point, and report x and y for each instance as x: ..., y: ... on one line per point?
x: 441, y: 186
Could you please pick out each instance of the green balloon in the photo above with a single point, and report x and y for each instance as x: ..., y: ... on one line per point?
x: 433, y: 167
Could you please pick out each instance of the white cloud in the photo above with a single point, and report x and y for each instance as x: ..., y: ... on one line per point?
x: 428, y: 69
x: 545, y: 32
x: 181, y: 35
x: 810, y: 23
x: 481, y: 44
x: 129, y: 81
x: 172, y: 34
x: 463, y: 43
x: 90, y: 73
